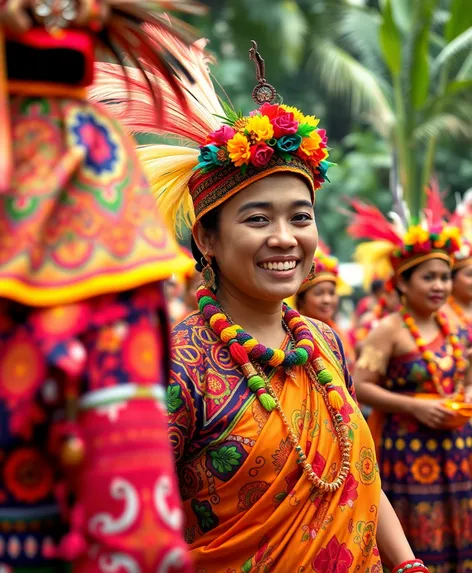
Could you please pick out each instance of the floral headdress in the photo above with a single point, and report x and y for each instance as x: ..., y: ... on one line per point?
x: 232, y: 151
x: 391, y: 249
x: 326, y: 268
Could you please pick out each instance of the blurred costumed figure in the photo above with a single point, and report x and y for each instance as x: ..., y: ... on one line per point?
x: 181, y: 291
x: 87, y: 473
x: 377, y: 278
x: 460, y: 301
x: 413, y: 371
x: 318, y: 296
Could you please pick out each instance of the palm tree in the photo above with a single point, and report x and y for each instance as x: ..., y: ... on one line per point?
x: 406, y: 67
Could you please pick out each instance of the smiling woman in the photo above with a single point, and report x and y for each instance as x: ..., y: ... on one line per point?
x: 276, y: 463
x: 412, y: 371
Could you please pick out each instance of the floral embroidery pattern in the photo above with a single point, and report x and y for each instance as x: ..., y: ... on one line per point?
x: 27, y: 475
x: 365, y: 537
x: 251, y: 493
x: 224, y: 461
x: 334, y: 558
x: 207, y: 520
x: 367, y: 466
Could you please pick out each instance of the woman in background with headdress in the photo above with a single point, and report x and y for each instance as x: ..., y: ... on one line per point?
x: 276, y: 464
x: 318, y: 296
x: 87, y: 471
x: 413, y: 371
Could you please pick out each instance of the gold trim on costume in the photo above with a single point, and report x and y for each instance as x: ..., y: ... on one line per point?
x: 44, y: 89
x: 319, y: 278
x: 417, y: 260
x: 461, y: 264
x: 373, y: 360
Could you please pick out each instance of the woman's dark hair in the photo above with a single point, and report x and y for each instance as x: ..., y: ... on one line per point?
x: 210, y: 222
x: 300, y: 298
x: 406, y: 276
x: 377, y: 286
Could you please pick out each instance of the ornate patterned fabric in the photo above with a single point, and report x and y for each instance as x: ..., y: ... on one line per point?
x: 426, y: 473
x: 247, y: 504
x: 126, y: 497
x: 79, y: 219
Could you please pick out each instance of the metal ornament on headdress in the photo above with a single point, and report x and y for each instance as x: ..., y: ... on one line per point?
x: 263, y: 92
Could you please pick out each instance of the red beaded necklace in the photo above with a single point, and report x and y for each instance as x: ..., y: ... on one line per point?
x: 429, y: 357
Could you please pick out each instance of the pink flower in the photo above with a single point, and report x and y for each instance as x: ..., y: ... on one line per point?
x: 284, y: 124
x: 261, y: 154
x: 221, y: 136
x: 270, y: 110
x: 324, y: 137
x: 335, y: 558
x: 349, y: 494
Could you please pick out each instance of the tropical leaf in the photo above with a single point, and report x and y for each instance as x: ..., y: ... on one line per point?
x: 454, y: 48
x: 442, y: 125
x: 390, y: 40
x: 293, y: 30
x: 460, y: 18
x: 345, y: 77
x: 419, y: 64
x: 465, y: 71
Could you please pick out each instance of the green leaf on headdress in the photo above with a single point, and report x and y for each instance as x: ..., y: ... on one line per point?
x: 244, y: 168
x: 231, y: 114
x: 305, y: 129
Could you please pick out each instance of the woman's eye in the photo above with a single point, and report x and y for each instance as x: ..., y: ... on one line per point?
x: 303, y: 217
x: 256, y: 219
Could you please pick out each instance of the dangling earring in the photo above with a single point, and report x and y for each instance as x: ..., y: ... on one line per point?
x: 403, y: 300
x: 312, y: 273
x: 208, y: 274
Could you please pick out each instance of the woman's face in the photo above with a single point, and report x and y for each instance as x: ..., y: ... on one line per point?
x: 320, y: 302
x: 462, y: 284
x: 428, y: 286
x: 266, y: 239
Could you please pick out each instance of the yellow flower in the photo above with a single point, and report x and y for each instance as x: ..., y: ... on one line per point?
x: 310, y: 144
x: 297, y: 114
x: 239, y: 149
x: 260, y: 128
x: 416, y: 235
x: 447, y: 233
x: 311, y: 120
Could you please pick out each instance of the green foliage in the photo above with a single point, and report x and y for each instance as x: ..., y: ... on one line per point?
x: 384, y: 76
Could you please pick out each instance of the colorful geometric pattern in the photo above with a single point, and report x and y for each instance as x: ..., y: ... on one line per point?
x: 427, y: 474
x: 117, y: 345
x: 79, y: 219
x: 248, y: 506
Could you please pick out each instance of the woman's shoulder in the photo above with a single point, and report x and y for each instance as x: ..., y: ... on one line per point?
x: 193, y: 330
x: 330, y: 336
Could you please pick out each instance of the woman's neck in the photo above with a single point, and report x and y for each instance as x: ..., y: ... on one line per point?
x: 422, y: 318
x: 261, y: 319
x: 465, y: 304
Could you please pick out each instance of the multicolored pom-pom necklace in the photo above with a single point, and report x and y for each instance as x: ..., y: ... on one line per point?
x: 245, y: 350
x: 429, y: 357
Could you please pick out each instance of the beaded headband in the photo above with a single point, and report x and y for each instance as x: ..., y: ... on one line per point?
x: 230, y: 150
x: 326, y: 269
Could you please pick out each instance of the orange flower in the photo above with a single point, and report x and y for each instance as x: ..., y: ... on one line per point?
x: 239, y: 150
x: 310, y: 144
x: 425, y: 469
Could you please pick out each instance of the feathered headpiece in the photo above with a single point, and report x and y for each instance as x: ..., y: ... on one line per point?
x: 49, y: 49
x: 326, y: 269
x: 229, y: 151
x: 391, y: 249
x: 461, y: 218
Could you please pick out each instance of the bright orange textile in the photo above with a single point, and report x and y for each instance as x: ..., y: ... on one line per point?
x: 247, y: 504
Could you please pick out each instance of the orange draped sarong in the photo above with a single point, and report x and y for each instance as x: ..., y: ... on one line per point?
x: 267, y: 516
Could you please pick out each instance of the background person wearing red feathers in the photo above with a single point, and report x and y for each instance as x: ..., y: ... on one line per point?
x: 413, y: 372
x: 86, y: 471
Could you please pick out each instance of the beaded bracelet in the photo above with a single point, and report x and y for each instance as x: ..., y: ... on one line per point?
x: 413, y: 566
